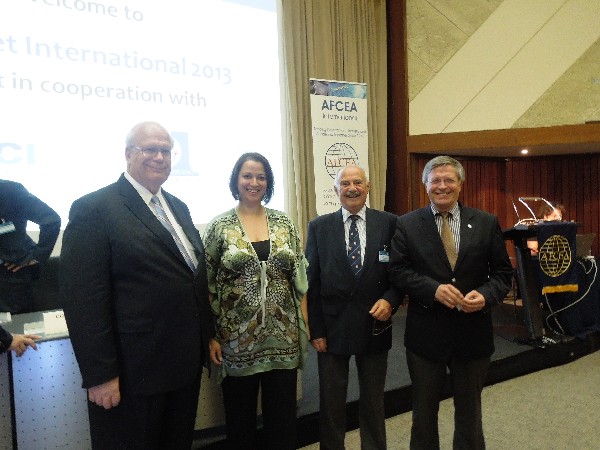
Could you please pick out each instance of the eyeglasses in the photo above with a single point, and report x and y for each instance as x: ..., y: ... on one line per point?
x: 447, y: 181
x: 151, y: 152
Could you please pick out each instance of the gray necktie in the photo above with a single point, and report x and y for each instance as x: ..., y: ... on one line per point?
x: 448, y: 240
x: 354, y: 256
x: 164, y: 220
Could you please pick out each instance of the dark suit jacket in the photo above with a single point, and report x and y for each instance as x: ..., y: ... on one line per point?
x: 419, y: 265
x: 339, y: 303
x: 18, y: 206
x: 133, y: 307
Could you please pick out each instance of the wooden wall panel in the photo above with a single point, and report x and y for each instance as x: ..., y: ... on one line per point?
x: 570, y: 180
x: 398, y: 181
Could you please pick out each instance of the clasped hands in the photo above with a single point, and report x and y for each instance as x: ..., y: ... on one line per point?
x: 449, y: 296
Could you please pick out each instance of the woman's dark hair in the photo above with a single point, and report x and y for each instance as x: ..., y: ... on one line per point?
x: 235, y: 173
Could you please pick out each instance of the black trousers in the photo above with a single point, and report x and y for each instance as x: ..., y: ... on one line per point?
x: 278, y: 397
x: 333, y: 388
x: 153, y: 422
x: 468, y: 380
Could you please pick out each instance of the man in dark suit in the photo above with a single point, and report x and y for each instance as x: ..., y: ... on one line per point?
x: 452, y: 262
x: 349, y: 308
x: 136, y: 302
x: 20, y: 256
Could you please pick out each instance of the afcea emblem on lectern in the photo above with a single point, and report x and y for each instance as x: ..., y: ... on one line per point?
x: 555, y: 256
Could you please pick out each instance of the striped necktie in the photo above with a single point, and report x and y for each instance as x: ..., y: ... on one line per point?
x: 164, y: 220
x: 354, y: 256
x: 448, y: 240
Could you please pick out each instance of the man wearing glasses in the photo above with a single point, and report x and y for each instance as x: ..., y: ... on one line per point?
x: 452, y: 263
x: 133, y: 282
x: 350, y: 303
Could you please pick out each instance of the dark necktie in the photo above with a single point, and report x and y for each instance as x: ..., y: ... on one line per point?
x: 354, y: 257
x: 448, y: 240
x: 164, y: 220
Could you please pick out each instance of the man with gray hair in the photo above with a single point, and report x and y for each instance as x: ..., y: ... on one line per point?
x: 350, y: 303
x: 133, y: 282
x: 451, y: 260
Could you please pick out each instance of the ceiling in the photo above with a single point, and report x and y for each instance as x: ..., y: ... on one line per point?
x: 480, y: 65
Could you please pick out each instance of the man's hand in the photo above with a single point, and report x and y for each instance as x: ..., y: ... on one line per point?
x: 106, y: 394
x: 20, y: 343
x: 16, y: 267
x: 319, y: 344
x: 381, y: 310
x: 214, y: 348
x: 472, y: 302
x: 449, y: 296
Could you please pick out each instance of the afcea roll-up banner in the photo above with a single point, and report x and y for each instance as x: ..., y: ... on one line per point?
x: 340, y: 134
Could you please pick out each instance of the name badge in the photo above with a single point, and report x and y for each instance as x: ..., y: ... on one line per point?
x: 384, y: 256
x: 7, y: 227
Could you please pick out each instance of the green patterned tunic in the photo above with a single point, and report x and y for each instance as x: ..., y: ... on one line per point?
x: 257, y: 303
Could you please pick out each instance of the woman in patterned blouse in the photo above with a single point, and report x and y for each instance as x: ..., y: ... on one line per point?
x: 257, y: 279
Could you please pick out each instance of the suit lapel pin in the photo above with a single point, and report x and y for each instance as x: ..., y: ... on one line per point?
x: 469, y: 225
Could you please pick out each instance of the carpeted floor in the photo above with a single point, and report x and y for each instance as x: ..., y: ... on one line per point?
x: 511, y: 359
x: 555, y: 408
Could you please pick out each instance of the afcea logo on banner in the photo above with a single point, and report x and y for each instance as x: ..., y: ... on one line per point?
x: 339, y: 155
x: 13, y: 153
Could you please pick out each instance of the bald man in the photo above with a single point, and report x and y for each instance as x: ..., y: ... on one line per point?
x: 133, y: 282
